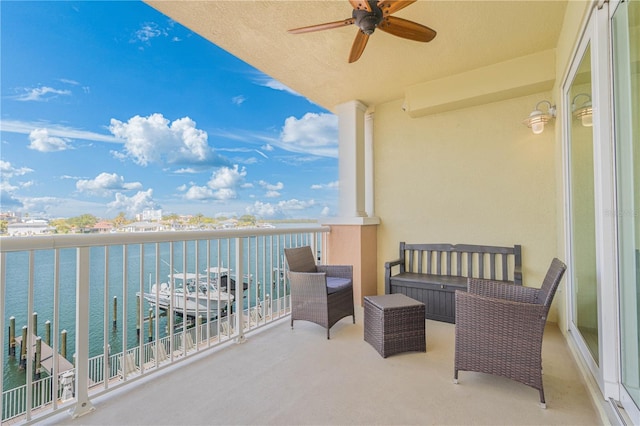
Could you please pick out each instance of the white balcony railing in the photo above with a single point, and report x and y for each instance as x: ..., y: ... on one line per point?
x: 97, y: 293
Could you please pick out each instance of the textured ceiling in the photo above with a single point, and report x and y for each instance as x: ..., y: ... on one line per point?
x: 471, y: 34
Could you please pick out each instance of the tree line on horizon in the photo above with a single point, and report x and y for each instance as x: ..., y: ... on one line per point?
x: 88, y: 221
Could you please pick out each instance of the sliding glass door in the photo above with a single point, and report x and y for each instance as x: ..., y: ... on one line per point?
x: 625, y: 27
x: 582, y: 270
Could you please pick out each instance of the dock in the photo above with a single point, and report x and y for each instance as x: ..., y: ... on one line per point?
x: 47, y: 356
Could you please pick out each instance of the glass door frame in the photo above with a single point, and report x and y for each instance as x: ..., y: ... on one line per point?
x: 624, y: 397
x: 596, y: 36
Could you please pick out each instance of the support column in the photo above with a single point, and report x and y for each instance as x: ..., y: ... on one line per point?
x: 353, y: 236
x: 368, y: 166
x: 351, y: 158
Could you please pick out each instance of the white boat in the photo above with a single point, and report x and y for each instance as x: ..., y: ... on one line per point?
x: 221, y: 277
x: 189, y: 294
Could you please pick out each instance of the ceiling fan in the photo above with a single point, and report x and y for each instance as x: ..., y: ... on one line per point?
x: 371, y: 14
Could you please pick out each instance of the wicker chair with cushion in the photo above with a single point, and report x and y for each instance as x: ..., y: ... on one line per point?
x: 499, y: 328
x: 322, y: 294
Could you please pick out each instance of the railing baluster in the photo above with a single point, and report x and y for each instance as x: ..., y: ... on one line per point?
x: 3, y: 283
x: 239, y: 311
x: 83, y: 265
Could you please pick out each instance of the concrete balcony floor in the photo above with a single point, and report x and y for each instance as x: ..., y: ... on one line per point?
x: 292, y: 377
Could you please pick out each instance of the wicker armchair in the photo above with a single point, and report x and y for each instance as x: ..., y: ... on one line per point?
x: 322, y: 294
x: 499, y: 328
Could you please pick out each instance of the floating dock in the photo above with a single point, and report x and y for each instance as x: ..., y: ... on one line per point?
x: 47, y: 356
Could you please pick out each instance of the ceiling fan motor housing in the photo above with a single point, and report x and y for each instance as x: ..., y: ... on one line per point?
x: 368, y: 21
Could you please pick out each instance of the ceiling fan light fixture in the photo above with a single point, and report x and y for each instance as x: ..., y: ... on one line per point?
x: 368, y: 15
x: 367, y: 21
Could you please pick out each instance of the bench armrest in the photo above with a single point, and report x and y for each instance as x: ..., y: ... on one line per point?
x: 517, y: 275
x: 387, y: 274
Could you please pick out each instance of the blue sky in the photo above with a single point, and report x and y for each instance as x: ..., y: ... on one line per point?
x: 111, y: 107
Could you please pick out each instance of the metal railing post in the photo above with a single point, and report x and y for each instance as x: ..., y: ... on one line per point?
x: 83, y: 404
x: 239, y: 290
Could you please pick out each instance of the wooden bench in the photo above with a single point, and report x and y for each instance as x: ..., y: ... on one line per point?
x: 431, y: 273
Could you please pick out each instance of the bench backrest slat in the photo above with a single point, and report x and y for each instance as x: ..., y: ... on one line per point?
x: 504, y: 265
x: 465, y: 260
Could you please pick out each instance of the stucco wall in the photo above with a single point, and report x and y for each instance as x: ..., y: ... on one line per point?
x: 475, y: 175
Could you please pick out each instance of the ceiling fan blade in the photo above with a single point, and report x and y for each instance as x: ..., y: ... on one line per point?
x: 391, y: 6
x: 360, y: 5
x: 320, y: 27
x: 358, y: 46
x: 406, y: 29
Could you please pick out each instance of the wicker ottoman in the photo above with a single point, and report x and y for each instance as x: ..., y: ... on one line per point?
x: 394, y: 323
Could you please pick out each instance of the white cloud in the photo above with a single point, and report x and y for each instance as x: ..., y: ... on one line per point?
x: 226, y: 177
x: 281, y: 209
x: 37, y: 205
x: 238, y: 100
x: 148, y: 31
x: 294, y: 204
x: 53, y: 207
x: 271, y: 187
x: 266, y: 81
x: 134, y: 204
x: 42, y: 141
x: 225, y: 194
x: 106, y: 183
x: 8, y: 171
x: 42, y: 93
x: 222, y: 185
x: 26, y: 127
x: 5, y: 186
x: 154, y: 139
x: 331, y: 185
x: 187, y: 170
x: 199, y: 193
x: 313, y: 134
x: 326, y: 211
x: 8, y: 200
x: 267, y: 147
x: 68, y: 81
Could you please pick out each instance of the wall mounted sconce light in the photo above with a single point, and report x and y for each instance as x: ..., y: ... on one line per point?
x: 583, y: 112
x: 537, y: 118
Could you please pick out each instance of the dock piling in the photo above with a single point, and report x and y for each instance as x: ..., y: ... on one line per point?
x: 23, y: 349
x: 35, y: 323
x: 12, y: 337
x: 150, y: 324
x: 115, y: 313
x: 37, y: 361
x: 63, y: 343
x: 138, y: 316
x: 47, y: 332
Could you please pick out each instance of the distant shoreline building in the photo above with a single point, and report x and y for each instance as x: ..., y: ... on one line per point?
x: 34, y: 227
x: 149, y: 215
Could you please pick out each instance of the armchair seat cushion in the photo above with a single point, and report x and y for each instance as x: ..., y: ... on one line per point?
x: 335, y: 284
